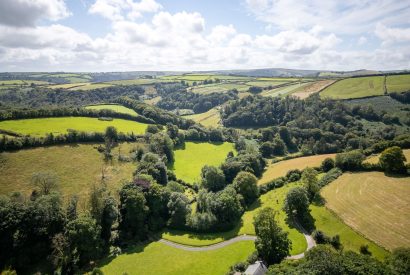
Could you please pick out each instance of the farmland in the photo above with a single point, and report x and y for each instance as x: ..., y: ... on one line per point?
x: 190, y: 159
x: 81, y: 168
x: 375, y: 205
x: 355, y: 88
x: 114, y: 107
x: 210, y: 118
x: 279, y: 169
x: 61, y: 125
x: 398, y: 83
x: 143, y: 259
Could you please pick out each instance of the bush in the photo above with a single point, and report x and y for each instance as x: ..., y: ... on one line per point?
x: 327, y: 164
x: 392, y: 160
x: 350, y: 161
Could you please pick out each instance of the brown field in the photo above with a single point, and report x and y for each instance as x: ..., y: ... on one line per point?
x: 280, y: 169
x: 77, y: 168
x: 210, y: 118
x: 306, y: 91
x: 373, y: 204
x: 374, y: 159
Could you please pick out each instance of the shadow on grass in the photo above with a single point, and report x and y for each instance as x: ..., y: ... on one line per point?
x: 305, y: 224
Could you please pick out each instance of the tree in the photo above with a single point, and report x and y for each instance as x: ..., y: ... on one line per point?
x: 83, y: 235
x: 392, y: 160
x: 213, y: 178
x: 111, y: 134
x: 350, y: 161
x: 296, y: 203
x: 309, y: 179
x: 399, y: 261
x: 179, y: 208
x: 226, y: 206
x: 72, y: 208
x: 46, y: 181
x: 246, y: 185
x: 109, y: 216
x: 327, y: 164
x: 272, y: 242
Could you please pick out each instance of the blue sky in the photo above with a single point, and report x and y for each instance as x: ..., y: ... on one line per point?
x: 123, y: 35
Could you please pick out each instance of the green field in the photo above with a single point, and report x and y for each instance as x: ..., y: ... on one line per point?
x: 68, y: 86
x: 219, y: 87
x: 274, y: 199
x: 211, y: 118
x: 398, y: 83
x: 91, y: 86
x: 283, y: 91
x: 76, y: 166
x: 158, y: 258
x: 114, y: 107
x: 355, y: 88
x: 190, y: 160
x: 61, y: 125
x: 373, y: 204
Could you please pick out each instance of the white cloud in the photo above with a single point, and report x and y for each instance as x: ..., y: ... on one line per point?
x: 392, y: 35
x: 23, y: 13
x: 116, y: 10
x: 362, y: 40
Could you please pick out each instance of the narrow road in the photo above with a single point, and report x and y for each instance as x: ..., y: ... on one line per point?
x: 309, y: 240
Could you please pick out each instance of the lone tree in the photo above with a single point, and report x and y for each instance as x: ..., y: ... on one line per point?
x: 45, y: 181
x: 272, y: 242
x: 392, y: 160
x: 309, y: 179
x: 245, y: 183
x: 296, y: 203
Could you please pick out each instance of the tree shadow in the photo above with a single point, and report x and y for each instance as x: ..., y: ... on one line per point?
x: 304, y: 224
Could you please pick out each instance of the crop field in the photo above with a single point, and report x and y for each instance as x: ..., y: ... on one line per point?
x: 283, y: 91
x: 398, y: 83
x: 266, y: 83
x: 68, y: 86
x: 375, y: 158
x: 220, y: 87
x: 114, y: 107
x: 279, y: 169
x: 312, y: 88
x: 77, y: 167
x: 355, y: 88
x: 61, y: 125
x: 273, y: 199
x: 190, y: 160
x: 373, y: 204
x: 211, y: 118
x: 91, y: 86
x: 145, y: 260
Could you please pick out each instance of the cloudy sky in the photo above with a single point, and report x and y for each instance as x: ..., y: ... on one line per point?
x: 122, y: 35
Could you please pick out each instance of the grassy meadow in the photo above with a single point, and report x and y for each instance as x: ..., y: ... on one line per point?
x: 61, y: 125
x: 355, y: 88
x: 190, y: 159
x: 398, y: 83
x: 113, y: 107
x: 279, y: 169
x: 158, y: 258
x: 375, y: 205
x: 76, y: 166
x: 210, y: 118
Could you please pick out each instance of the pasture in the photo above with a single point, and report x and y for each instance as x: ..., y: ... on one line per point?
x: 77, y: 167
x: 113, y: 107
x: 355, y: 88
x: 398, y: 83
x: 279, y: 169
x: 218, y: 88
x: 375, y: 205
x: 158, y: 258
x: 274, y: 199
x: 211, y: 118
x: 61, y: 125
x: 190, y: 159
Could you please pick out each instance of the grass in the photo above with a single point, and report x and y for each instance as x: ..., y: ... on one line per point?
x: 68, y: 86
x: 211, y: 118
x: 218, y: 87
x: 158, y: 258
x: 91, y: 86
x: 77, y: 168
x: 114, y: 107
x: 313, y: 87
x: 398, y: 83
x: 61, y: 125
x: 355, y: 88
x: 280, y: 168
x: 273, y: 199
x: 282, y: 91
x: 373, y: 204
x: 375, y: 158
x: 190, y: 159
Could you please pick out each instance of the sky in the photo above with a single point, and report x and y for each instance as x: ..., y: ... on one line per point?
x: 189, y: 35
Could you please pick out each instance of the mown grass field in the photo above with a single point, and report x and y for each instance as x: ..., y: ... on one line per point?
x: 398, y: 83
x: 279, y: 169
x: 373, y: 204
x: 274, y: 199
x: 375, y: 158
x: 91, y: 86
x: 114, y: 107
x: 61, y: 125
x: 158, y: 258
x: 218, y: 87
x: 283, y: 91
x: 68, y: 86
x: 355, y: 88
x: 211, y: 118
x: 314, y: 87
x: 190, y: 160
x: 76, y: 166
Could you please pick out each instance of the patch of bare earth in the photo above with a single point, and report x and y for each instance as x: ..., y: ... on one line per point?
x: 313, y: 88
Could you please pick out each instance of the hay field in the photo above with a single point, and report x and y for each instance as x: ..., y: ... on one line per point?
x: 398, y: 83
x: 114, y: 107
x: 211, y: 118
x: 373, y: 204
x: 355, y: 88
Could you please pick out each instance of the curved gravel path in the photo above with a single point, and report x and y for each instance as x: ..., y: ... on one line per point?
x: 309, y: 240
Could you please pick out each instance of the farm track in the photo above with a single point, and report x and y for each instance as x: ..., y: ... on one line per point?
x: 310, y: 244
